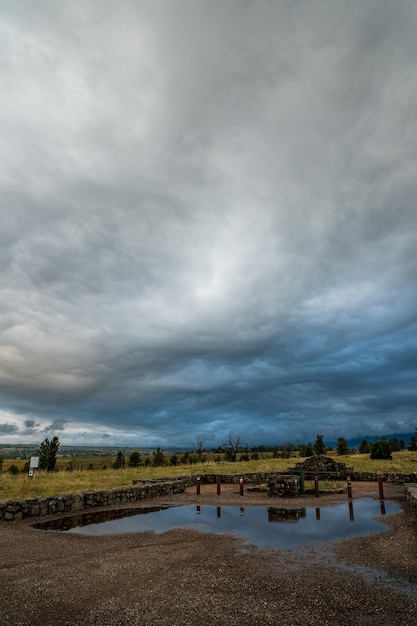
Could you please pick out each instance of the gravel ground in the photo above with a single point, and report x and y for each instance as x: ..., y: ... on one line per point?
x: 184, y: 577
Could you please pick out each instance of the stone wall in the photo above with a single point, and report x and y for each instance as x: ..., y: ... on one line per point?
x: 74, y: 502
x: 411, y: 496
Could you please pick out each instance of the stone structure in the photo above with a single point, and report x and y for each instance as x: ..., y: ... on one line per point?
x: 324, y: 467
x: 283, y: 486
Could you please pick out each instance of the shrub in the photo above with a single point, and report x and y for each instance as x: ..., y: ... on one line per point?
x: 380, y: 449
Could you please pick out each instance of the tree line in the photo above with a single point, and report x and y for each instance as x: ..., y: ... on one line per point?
x: 231, y: 450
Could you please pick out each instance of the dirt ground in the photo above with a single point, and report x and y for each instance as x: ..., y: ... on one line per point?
x: 183, y: 577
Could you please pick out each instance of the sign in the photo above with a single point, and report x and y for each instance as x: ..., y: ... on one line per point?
x: 34, y: 462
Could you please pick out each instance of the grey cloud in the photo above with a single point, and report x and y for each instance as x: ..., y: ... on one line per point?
x: 8, y: 429
x: 208, y: 217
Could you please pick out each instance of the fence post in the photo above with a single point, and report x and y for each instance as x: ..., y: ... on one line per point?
x: 241, y: 486
x: 381, y: 488
x: 316, y: 487
x: 218, y: 481
x: 349, y: 488
x: 198, y: 485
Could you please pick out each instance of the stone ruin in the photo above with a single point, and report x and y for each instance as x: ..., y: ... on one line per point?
x: 322, y: 466
x: 283, y: 486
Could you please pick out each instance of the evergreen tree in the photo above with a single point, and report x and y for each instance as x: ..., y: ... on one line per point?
x: 47, y: 454
x: 158, y: 457
x: 319, y: 447
x: 342, y: 447
x: 380, y: 449
x: 413, y: 442
x: 364, y: 447
x: 134, y: 459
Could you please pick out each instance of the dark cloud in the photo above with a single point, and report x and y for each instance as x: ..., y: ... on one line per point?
x: 208, y: 219
x: 8, y: 429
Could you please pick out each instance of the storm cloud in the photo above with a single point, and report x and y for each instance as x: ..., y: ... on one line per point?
x: 208, y: 220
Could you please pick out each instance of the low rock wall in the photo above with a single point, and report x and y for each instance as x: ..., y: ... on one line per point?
x: 74, y: 502
x: 411, y: 496
x: 142, y: 489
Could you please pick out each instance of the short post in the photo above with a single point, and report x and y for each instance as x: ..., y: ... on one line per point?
x: 349, y: 488
x: 380, y: 488
x: 218, y: 481
x: 198, y: 485
x: 316, y: 487
x: 241, y: 486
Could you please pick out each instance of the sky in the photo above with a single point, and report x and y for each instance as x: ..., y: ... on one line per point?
x: 208, y: 220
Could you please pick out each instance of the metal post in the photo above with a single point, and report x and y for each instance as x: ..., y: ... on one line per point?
x: 198, y: 485
x: 241, y: 486
x: 219, y: 481
x: 316, y: 487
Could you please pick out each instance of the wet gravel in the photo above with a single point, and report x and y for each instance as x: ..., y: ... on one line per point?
x: 183, y: 577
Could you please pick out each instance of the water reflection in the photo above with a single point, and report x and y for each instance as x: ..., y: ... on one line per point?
x: 273, y: 527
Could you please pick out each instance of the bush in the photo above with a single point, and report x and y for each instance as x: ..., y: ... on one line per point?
x: 381, y: 449
x: 13, y: 469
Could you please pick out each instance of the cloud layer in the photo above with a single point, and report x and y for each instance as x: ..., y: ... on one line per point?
x: 208, y: 220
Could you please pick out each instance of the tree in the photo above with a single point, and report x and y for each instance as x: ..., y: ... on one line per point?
x: 394, y: 444
x: 232, y: 447
x: 380, y: 449
x: 364, y: 447
x: 158, y: 458
x: 305, y: 450
x: 319, y: 447
x: 199, y: 447
x: 119, y: 461
x: 134, y: 459
x: 413, y: 442
x: 47, y: 454
x: 342, y: 447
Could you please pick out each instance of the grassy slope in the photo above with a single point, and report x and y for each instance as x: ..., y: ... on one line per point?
x: 46, y: 484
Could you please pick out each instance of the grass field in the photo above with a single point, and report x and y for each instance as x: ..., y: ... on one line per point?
x: 20, y: 486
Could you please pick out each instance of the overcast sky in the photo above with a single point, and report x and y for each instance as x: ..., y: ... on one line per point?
x: 208, y: 220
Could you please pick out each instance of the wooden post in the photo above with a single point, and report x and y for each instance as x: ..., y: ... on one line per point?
x: 316, y: 487
x: 198, y: 485
x: 381, y: 488
x: 218, y: 481
x: 241, y: 486
x: 349, y: 488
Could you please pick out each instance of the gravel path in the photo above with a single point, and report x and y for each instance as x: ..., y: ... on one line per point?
x: 184, y: 577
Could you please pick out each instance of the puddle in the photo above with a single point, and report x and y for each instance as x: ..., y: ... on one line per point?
x: 270, y: 527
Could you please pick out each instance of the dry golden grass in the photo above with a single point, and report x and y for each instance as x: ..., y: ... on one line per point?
x: 20, y: 486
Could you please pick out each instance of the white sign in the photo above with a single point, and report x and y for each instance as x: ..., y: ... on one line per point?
x: 34, y: 462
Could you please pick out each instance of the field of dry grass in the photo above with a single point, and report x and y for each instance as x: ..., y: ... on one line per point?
x: 20, y: 486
